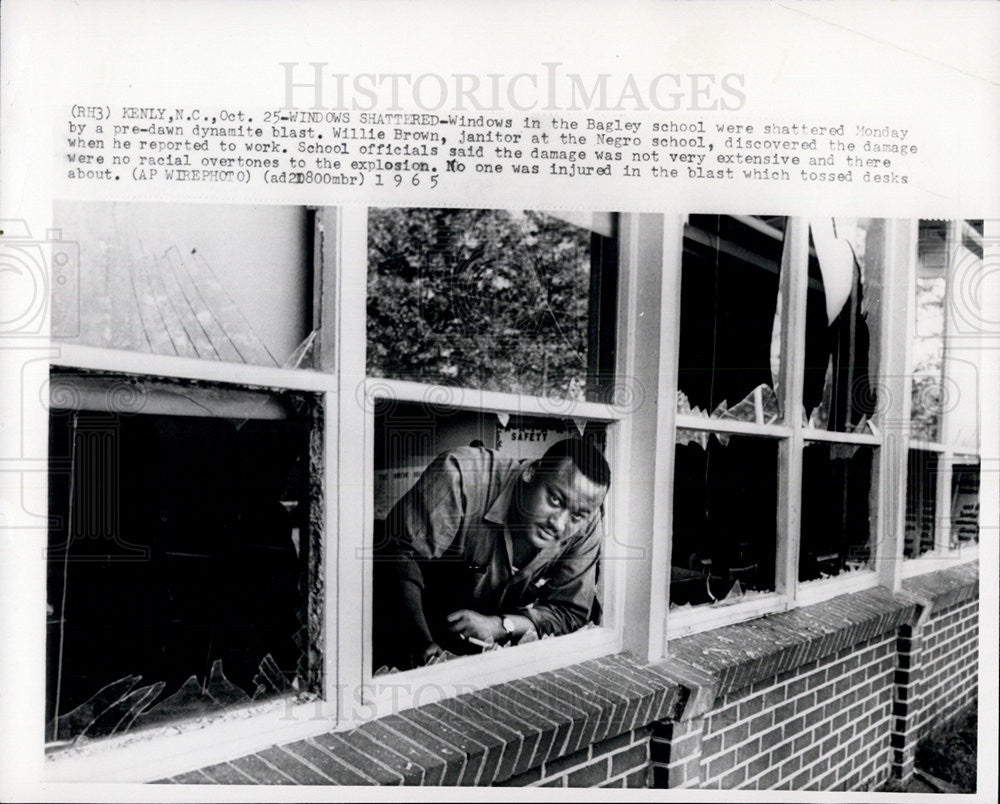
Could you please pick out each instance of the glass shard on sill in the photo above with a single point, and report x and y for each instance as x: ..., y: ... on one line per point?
x: 304, y: 355
x: 269, y: 679
x: 68, y: 726
x: 116, y: 708
x: 760, y: 406
x: 121, y: 715
x: 190, y: 701
x: 222, y: 690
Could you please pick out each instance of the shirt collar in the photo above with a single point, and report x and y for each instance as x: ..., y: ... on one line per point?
x: 500, y: 509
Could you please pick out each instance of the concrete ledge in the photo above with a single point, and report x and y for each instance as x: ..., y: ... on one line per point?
x: 480, y: 738
x: 715, y: 663
x: 947, y: 587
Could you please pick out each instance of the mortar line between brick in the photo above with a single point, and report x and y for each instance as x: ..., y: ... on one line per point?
x: 249, y: 779
x: 279, y: 770
x: 376, y: 760
x: 623, y: 775
x: 503, y: 747
x: 554, y: 724
x: 332, y: 756
x: 847, y: 760
x: 812, y: 727
x: 459, y: 752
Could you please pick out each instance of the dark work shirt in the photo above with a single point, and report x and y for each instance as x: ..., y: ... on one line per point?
x: 449, y: 536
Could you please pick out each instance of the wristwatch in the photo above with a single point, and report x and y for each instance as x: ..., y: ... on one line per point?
x: 507, y: 623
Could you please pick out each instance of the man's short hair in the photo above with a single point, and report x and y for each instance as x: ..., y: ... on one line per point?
x: 585, y: 456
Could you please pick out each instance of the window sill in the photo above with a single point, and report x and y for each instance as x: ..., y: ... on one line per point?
x: 945, y: 587
x: 96, y: 358
x: 684, y: 621
x: 934, y: 562
x: 811, y: 592
x: 142, y: 755
x: 394, y: 692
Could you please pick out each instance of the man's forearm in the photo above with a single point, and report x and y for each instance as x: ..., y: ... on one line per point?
x: 412, y: 611
x: 519, y: 626
x: 556, y: 619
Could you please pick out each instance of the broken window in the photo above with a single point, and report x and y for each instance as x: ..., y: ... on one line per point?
x: 842, y: 315
x: 964, y: 504
x: 944, y: 374
x: 506, y: 300
x: 927, y: 362
x: 211, y: 281
x: 183, y: 549
x: 512, y: 301
x: 837, y: 509
x: 408, y: 437
x: 921, y: 503
x: 725, y: 517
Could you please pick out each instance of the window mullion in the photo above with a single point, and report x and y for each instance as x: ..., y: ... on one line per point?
x: 348, y: 488
x: 653, y: 278
x: 326, y: 275
x: 894, y: 387
x: 793, y: 289
x: 942, y: 529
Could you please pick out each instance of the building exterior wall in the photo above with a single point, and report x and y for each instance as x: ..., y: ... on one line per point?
x: 829, y: 697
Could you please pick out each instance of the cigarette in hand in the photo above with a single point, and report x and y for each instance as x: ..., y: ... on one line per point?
x: 479, y: 642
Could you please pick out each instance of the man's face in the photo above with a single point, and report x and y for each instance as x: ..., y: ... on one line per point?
x: 553, y: 505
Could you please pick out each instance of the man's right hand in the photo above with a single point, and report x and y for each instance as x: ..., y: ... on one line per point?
x: 432, y: 651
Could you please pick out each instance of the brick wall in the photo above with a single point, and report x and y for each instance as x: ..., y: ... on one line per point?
x: 800, y: 700
x: 824, y: 726
x: 622, y: 761
x: 948, y: 664
x: 938, y: 658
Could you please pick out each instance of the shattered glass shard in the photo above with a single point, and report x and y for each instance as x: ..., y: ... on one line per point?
x: 76, y: 721
x: 223, y: 691
x: 269, y: 679
x: 189, y: 701
x: 120, y: 716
